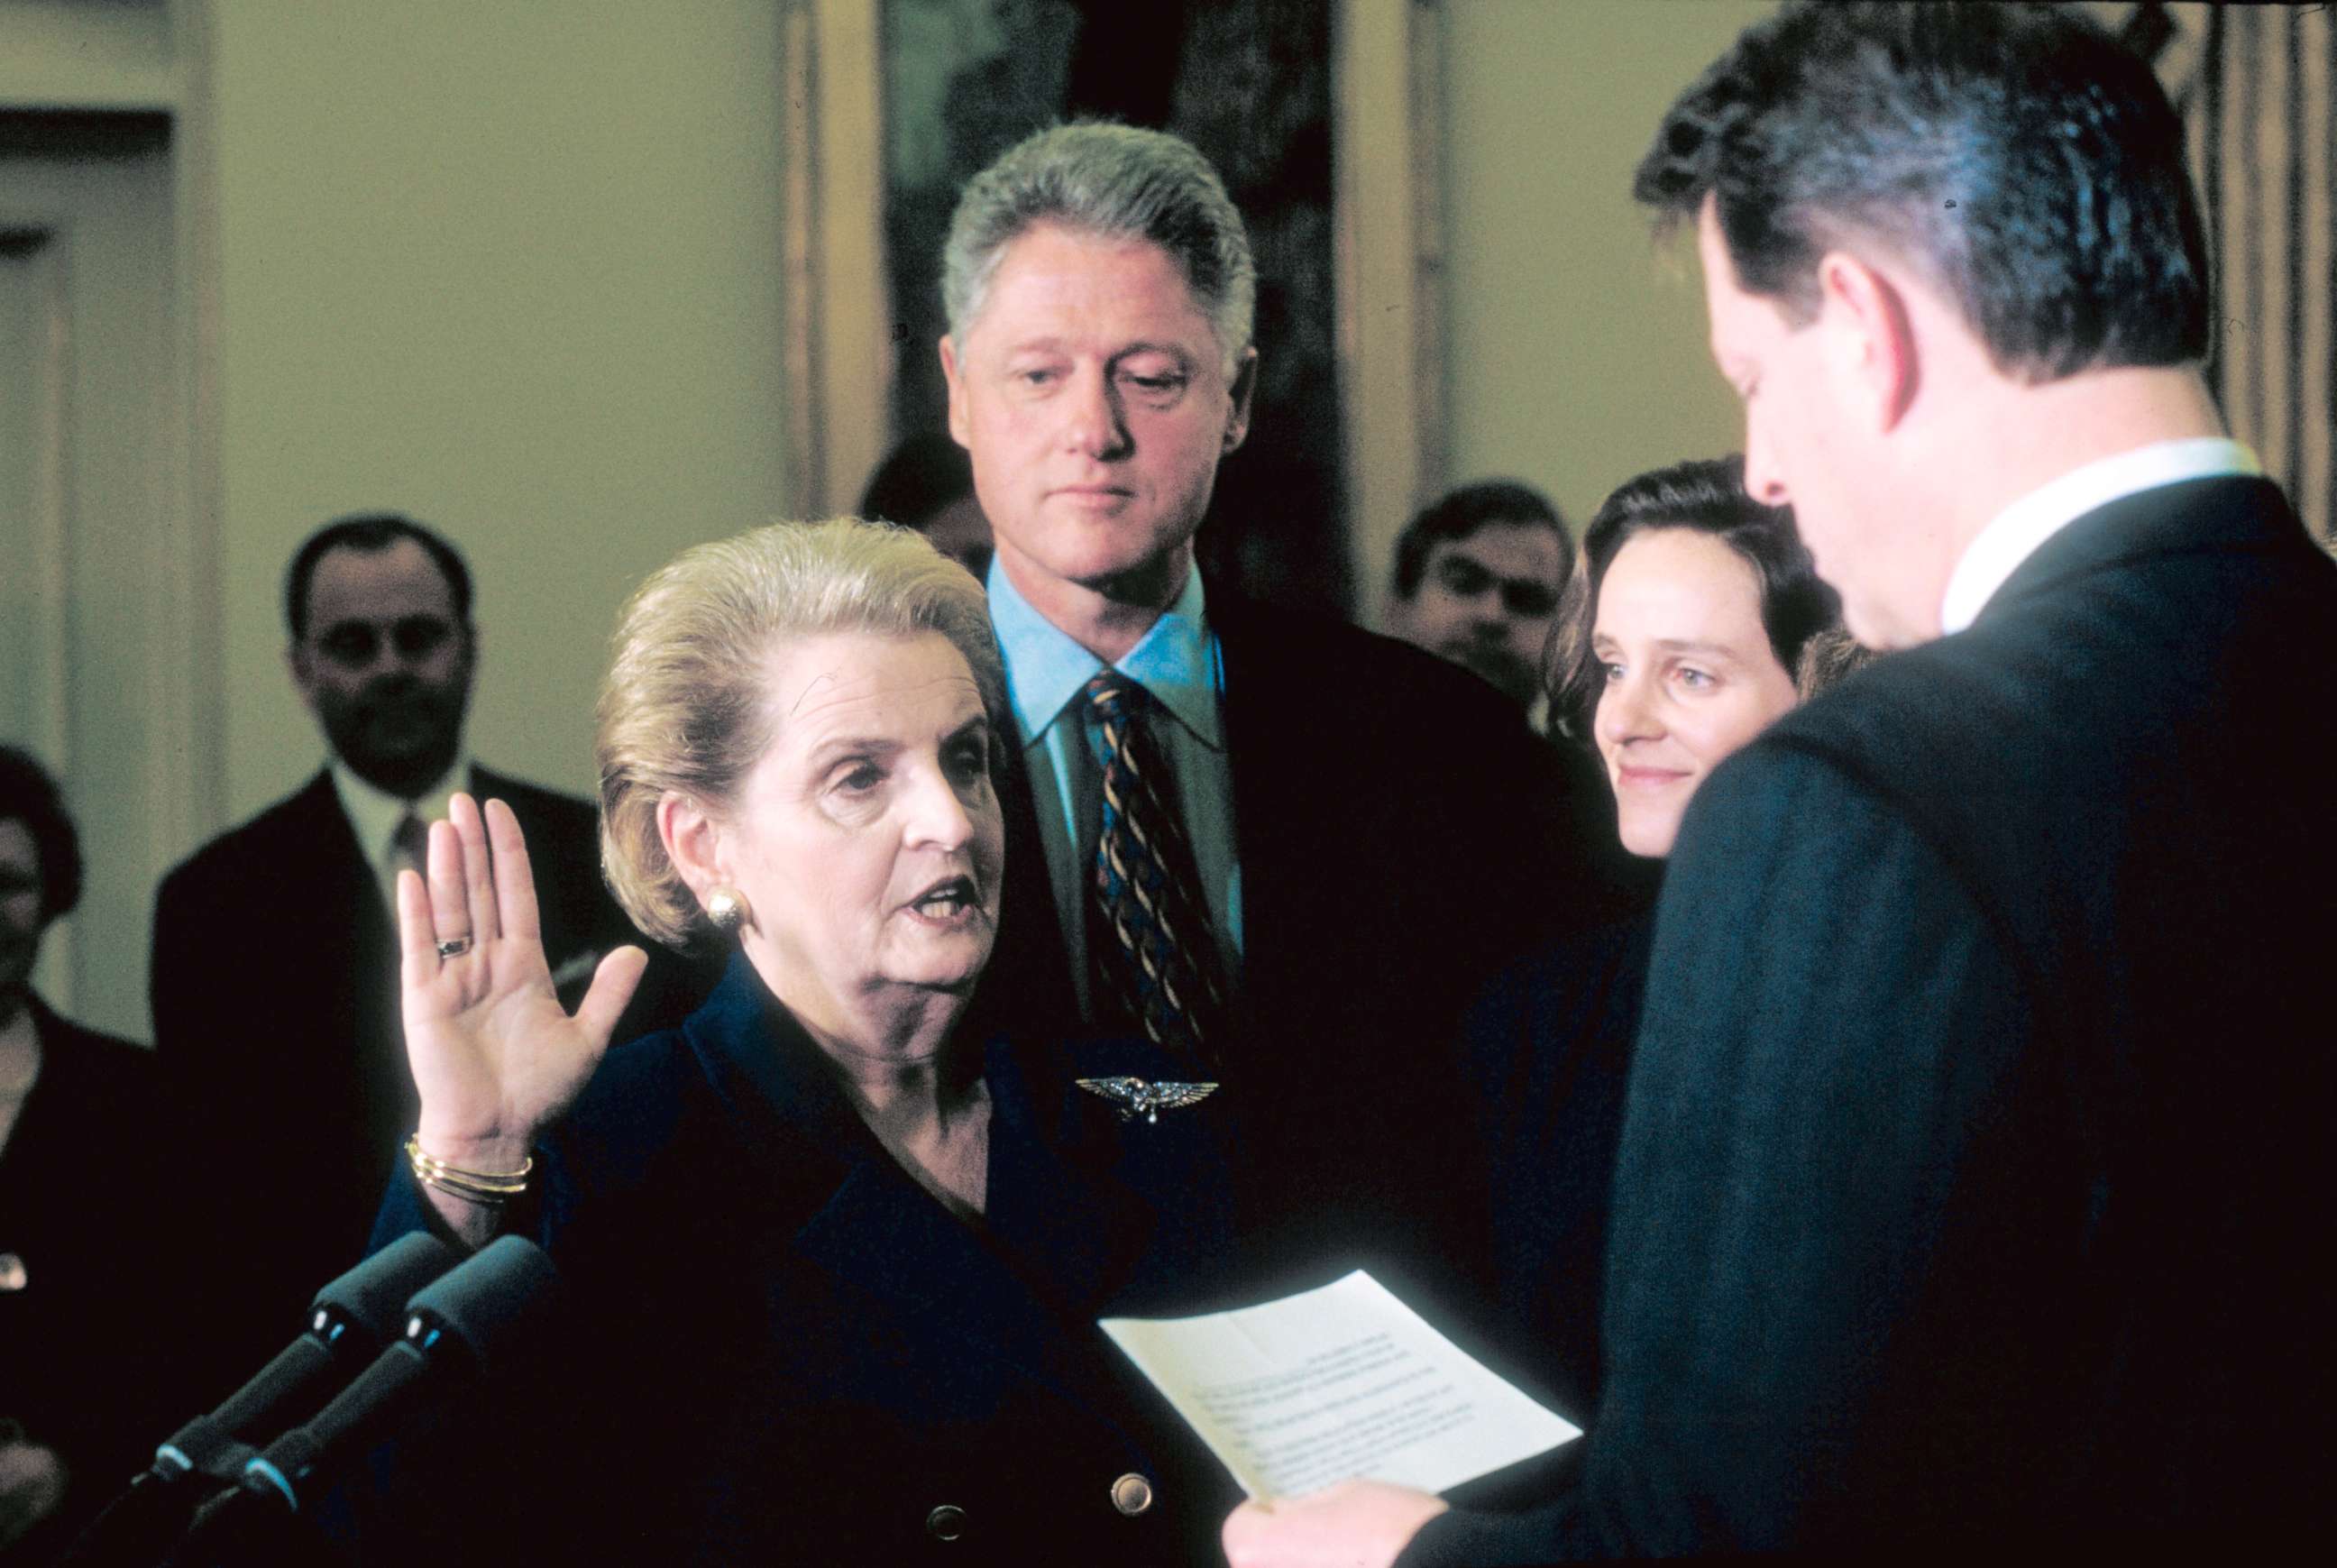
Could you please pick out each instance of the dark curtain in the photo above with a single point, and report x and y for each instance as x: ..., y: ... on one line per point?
x: 2253, y: 83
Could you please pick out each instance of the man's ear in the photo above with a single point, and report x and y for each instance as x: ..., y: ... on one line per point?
x: 296, y: 662
x: 1244, y: 384
x: 957, y: 421
x: 1871, y: 336
x: 693, y: 842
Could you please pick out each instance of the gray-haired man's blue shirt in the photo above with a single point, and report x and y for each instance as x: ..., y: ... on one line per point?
x: 1179, y: 662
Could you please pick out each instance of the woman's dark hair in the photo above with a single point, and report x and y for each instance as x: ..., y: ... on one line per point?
x: 2021, y: 157
x: 28, y: 795
x: 1705, y: 496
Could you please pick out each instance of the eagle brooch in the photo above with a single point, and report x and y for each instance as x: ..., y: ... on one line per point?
x: 1134, y: 1097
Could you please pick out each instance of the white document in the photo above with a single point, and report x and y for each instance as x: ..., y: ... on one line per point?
x: 1340, y: 1383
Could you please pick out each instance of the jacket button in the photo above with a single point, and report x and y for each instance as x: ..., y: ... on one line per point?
x: 1131, y: 1494
x: 946, y: 1523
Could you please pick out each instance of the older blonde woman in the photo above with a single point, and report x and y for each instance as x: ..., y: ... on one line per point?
x: 837, y: 1256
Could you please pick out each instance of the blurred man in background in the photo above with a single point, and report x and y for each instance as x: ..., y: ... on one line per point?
x: 1477, y: 581
x: 306, y: 1073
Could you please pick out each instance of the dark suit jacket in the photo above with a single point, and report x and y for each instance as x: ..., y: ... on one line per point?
x: 1402, y: 836
x: 781, y: 1348
x: 276, y: 1012
x: 88, y: 1365
x: 1973, y: 1181
x: 1549, y: 1046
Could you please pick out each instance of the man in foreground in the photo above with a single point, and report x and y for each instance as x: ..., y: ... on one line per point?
x: 1970, y: 1184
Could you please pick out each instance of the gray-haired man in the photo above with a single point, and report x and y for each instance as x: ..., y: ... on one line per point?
x: 1356, y: 834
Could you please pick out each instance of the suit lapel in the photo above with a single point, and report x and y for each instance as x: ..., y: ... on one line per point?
x: 329, y: 846
x: 1028, y: 986
x: 1061, y: 1200
x: 341, y: 964
x: 885, y: 1238
x: 389, y: 1103
x: 1063, y: 1233
x: 1292, y: 817
x: 353, y: 943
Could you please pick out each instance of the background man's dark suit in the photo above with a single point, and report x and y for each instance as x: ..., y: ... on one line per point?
x: 276, y: 1012
x: 1974, y: 1182
x: 1401, y: 836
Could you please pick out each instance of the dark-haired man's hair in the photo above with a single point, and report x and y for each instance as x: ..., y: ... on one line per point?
x: 371, y: 532
x: 1705, y: 496
x: 1461, y: 512
x: 28, y: 795
x: 2020, y: 158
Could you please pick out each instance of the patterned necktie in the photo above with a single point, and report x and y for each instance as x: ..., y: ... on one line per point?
x: 1152, y: 947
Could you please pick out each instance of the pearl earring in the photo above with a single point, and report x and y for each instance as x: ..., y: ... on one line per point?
x: 727, y: 908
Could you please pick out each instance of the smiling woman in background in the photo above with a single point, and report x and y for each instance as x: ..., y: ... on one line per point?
x: 1695, y: 608
x: 1702, y: 604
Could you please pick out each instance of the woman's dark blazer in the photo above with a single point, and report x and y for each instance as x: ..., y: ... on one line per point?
x: 778, y: 1348
x: 90, y: 1358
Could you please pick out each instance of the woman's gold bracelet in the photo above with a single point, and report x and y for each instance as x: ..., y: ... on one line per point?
x: 489, y: 1187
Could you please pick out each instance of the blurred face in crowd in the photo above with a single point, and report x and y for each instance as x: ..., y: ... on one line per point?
x: 867, y: 841
x: 1689, y: 675
x: 21, y: 898
x: 385, y: 666
x: 1486, y: 600
x: 1091, y: 392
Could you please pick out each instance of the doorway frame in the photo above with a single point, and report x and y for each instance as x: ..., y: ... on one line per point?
x: 165, y: 67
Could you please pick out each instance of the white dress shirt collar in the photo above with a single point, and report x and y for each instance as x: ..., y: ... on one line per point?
x: 374, y: 814
x: 2015, y: 534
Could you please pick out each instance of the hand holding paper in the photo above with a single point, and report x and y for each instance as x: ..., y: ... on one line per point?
x: 1355, y: 1524
x: 1340, y: 1383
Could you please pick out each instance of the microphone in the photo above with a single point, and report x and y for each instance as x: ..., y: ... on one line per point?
x: 350, y: 1319
x: 456, y: 1329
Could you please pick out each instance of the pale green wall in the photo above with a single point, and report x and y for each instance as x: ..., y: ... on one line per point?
x: 1576, y: 350
x: 514, y: 268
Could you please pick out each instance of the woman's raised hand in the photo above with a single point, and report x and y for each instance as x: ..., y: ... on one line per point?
x: 495, y: 1056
